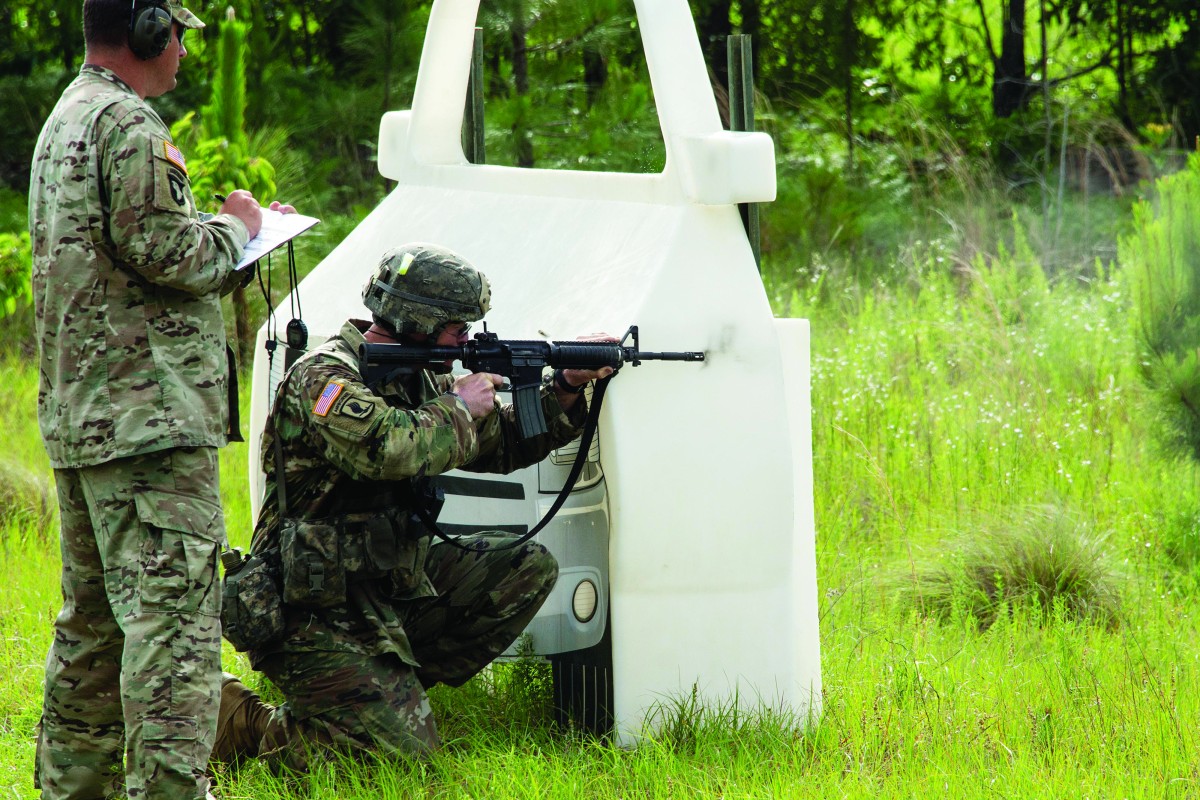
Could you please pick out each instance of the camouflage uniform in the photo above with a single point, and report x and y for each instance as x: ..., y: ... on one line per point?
x: 132, y: 403
x: 354, y: 675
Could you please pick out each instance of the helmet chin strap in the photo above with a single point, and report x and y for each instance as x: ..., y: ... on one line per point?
x: 380, y: 331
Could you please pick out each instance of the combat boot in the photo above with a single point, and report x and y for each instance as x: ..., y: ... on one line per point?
x: 244, y: 723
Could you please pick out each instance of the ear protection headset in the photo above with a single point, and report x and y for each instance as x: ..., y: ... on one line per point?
x: 149, y: 28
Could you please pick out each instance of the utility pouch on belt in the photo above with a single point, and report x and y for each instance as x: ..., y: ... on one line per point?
x: 313, y: 575
x: 251, y: 609
x: 320, y: 556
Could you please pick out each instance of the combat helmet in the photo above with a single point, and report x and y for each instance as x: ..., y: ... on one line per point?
x: 419, y: 288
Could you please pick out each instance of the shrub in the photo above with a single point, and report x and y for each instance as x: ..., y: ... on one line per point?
x: 1044, y: 558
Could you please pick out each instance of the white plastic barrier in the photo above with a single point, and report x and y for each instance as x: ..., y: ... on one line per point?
x: 708, y: 467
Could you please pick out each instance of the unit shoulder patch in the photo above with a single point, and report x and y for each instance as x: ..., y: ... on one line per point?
x: 172, y: 192
x: 356, y: 407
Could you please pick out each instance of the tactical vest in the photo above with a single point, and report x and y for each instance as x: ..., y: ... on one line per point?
x: 380, y: 539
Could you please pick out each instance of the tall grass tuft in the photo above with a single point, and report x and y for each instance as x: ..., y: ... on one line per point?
x: 1043, y: 558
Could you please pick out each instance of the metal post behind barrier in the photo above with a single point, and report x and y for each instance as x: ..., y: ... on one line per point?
x: 741, y: 118
x: 472, y: 129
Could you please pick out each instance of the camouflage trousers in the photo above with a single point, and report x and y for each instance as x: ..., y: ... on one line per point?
x: 135, y: 666
x: 351, y: 703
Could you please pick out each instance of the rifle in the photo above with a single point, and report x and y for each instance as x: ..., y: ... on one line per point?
x: 521, y: 361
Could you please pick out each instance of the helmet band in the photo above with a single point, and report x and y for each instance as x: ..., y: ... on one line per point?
x: 429, y: 301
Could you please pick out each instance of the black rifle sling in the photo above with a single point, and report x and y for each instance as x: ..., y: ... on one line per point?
x: 585, y: 444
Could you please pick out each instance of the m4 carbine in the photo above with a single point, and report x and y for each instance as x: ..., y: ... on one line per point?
x: 521, y: 361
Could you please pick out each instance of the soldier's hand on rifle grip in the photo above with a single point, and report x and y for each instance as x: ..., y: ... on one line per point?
x: 578, y: 378
x: 478, y: 391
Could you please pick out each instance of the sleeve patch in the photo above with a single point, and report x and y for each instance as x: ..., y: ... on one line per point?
x: 325, y: 401
x: 356, y: 407
x: 174, y: 155
x: 171, y: 189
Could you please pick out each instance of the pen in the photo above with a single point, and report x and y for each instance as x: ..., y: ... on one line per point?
x: 220, y: 197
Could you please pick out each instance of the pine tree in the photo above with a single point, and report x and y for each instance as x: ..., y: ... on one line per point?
x: 220, y: 155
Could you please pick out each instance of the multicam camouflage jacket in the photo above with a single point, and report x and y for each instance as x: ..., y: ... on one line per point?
x: 350, y: 454
x: 126, y: 282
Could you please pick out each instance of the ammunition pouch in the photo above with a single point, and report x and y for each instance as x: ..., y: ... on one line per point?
x: 251, y: 607
x: 320, y: 556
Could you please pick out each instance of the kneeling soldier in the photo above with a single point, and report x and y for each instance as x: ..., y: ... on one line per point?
x: 371, y: 613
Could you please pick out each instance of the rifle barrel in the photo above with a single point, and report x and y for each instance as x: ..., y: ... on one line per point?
x: 688, y: 356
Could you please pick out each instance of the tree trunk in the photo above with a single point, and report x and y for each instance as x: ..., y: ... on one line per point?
x: 1124, y: 62
x: 241, y: 326
x: 69, y: 23
x: 595, y: 73
x: 712, y: 23
x: 520, y: 67
x: 752, y: 23
x: 849, y: 58
x: 1010, y: 80
x: 496, y: 87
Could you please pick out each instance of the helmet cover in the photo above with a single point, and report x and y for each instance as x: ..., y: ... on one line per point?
x: 420, y: 288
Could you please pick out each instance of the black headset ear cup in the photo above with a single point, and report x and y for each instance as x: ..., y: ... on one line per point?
x: 149, y: 31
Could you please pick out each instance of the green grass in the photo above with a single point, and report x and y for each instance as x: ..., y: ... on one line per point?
x: 945, y: 408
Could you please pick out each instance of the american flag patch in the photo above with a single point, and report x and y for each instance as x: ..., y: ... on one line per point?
x: 174, y: 155
x: 325, y: 401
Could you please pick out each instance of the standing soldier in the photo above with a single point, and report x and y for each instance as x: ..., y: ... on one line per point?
x: 133, y: 401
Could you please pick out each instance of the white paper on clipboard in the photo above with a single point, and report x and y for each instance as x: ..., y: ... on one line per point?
x: 277, y: 228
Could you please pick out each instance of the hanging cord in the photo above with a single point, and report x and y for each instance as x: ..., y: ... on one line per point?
x: 272, y: 324
x: 297, y: 338
x: 589, y: 430
x: 293, y: 279
x: 297, y: 331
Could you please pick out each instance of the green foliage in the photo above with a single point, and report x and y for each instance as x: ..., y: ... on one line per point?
x: 577, y: 97
x: 218, y: 165
x: 1162, y: 261
x: 16, y: 262
x: 915, y: 190
x: 567, y: 88
x: 217, y: 143
x: 1043, y: 558
x: 14, y: 210
x: 25, y: 102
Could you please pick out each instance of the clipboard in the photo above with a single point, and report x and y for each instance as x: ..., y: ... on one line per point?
x: 277, y: 228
